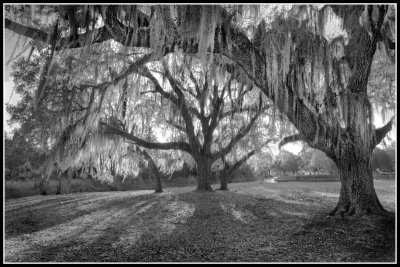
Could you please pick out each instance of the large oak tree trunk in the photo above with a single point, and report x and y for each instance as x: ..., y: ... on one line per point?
x: 357, y: 193
x: 204, y: 174
x: 353, y: 157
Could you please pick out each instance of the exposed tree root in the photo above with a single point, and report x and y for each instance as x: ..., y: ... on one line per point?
x: 356, y: 211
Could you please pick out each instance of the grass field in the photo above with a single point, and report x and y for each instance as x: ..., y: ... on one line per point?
x: 253, y: 222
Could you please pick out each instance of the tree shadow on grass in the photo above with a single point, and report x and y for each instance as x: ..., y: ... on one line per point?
x: 94, y: 239
x: 354, y: 239
x: 229, y: 227
x: 198, y: 227
x: 50, y: 213
x: 221, y: 227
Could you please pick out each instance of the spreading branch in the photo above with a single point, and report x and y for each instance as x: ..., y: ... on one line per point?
x: 240, y: 134
x: 196, y: 85
x: 241, y: 52
x: 253, y: 108
x: 228, y: 169
x: 380, y: 133
x: 176, y: 126
x: 139, y: 37
x: 217, y: 101
x: 290, y: 139
x: 145, y: 72
x: 183, y: 107
x: 109, y: 129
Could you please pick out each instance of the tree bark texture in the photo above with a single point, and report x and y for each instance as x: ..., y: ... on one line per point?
x: 357, y: 193
x: 155, y: 172
x: 204, y: 174
x: 224, y: 182
x: 230, y: 169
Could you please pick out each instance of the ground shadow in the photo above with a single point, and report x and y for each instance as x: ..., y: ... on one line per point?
x: 211, y: 227
x: 52, y: 212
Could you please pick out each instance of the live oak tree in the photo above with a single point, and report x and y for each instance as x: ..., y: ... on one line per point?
x: 62, y: 108
x: 200, y: 102
x: 318, y: 82
x: 37, y: 130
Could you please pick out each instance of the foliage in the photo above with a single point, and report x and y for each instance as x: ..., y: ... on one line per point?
x: 286, y: 162
x: 21, y: 157
x: 262, y: 163
x: 25, y: 188
x: 383, y: 159
x: 381, y: 84
x: 316, y: 161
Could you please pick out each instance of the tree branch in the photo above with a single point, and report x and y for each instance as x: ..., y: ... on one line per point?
x: 133, y: 67
x: 241, y: 133
x: 290, y: 139
x: 145, y: 72
x: 109, y: 129
x: 149, y: 91
x: 230, y: 169
x: 181, y: 128
x: 111, y: 30
x: 194, y: 142
x: 190, y: 92
x: 380, y: 133
x: 217, y: 104
x: 241, y: 52
x: 240, y: 110
x: 196, y: 85
x: 27, y: 31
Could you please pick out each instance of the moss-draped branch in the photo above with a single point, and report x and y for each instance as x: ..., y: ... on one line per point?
x: 290, y: 139
x: 242, y: 53
x: 381, y: 132
x: 109, y: 129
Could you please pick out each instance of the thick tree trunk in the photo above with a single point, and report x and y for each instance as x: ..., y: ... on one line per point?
x: 204, y: 174
x: 224, y: 182
x: 224, y: 175
x: 154, y: 170
x: 64, y: 178
x: 158, y: 186
x: 357, y: 193
x: 43, y: 185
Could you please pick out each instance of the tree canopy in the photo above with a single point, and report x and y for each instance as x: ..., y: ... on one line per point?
x: 316, y: 77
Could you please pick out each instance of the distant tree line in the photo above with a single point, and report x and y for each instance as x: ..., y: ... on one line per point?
x: 384, y: 159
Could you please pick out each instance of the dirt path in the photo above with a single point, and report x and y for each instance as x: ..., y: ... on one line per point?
x: 253, y: 222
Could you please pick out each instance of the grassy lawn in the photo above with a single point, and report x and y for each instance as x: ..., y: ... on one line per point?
x: 253, y: 222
